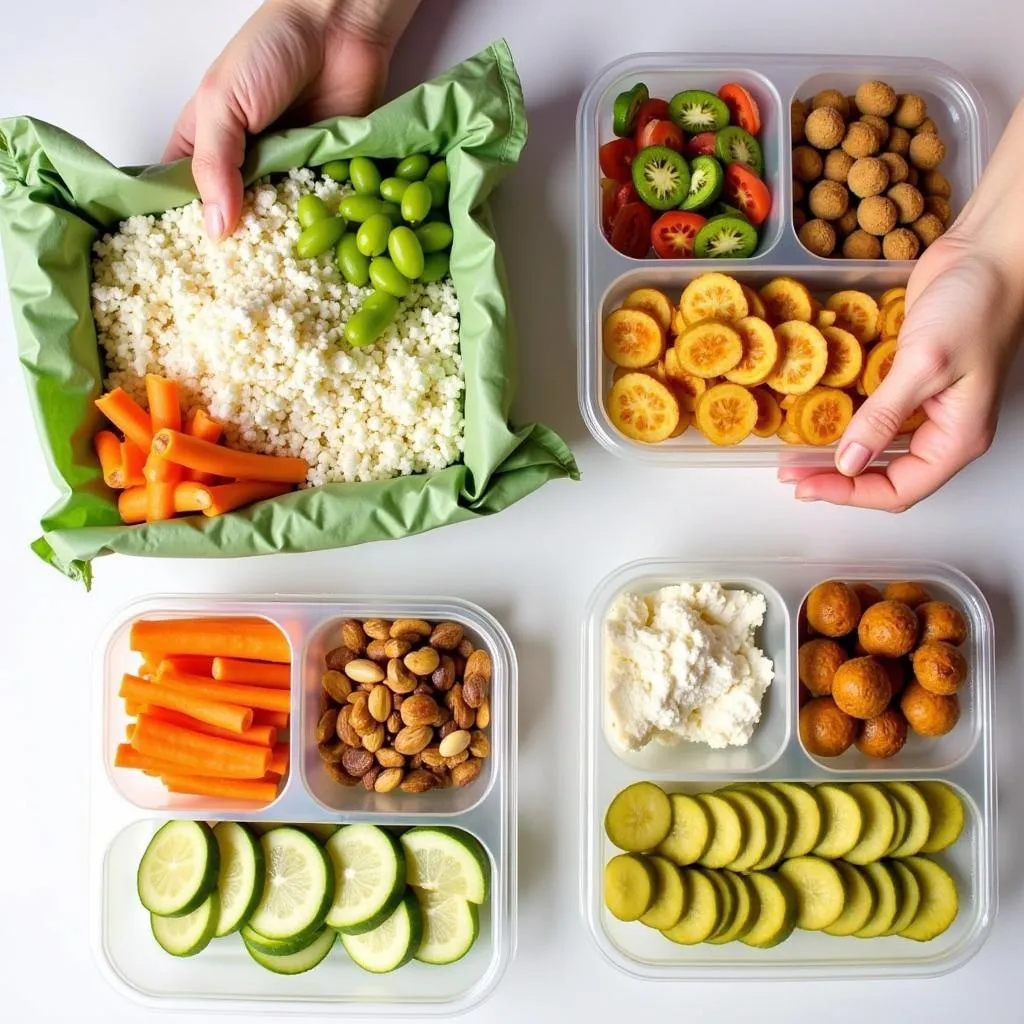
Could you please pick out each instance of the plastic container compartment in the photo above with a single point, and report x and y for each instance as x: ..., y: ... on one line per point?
x: 964, y: 759
x: 223, y: 977
x: 606, y: 276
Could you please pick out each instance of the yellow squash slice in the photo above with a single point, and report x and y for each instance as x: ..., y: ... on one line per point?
x: 823, y: 415
x: 788, y: 401
x: 769, y: 415
x: 755, y: 307
x: 845, y: 358
x: 688, y: 387
x: 632, y: 338
x: 878, y: 364
x: 760, y: 352
x: 786, y: 299
x: 726, y: 414
x: 891, y: 295
x: 858, y: 313
x: 709, y: 348
x: 713, y: 296
x: 679, y: 323
x: 803, y: 357
x: 643, y: 408
x: 824, y: 318
x: 892, y: 318
x: 684, y: 422
x: 652, y: 302
x: 788, y: 433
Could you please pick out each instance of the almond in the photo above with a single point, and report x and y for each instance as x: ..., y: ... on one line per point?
x: 400, y: 679
x: 388, y: 780
x: 397, y: 648
x: 327, y: 726
x: 479, y: 745
x: 388, y: 758
x: 419, y: 710
x: 446, y: 636
x: 339, y: 775
x: 466, y: 647
x: 377, y: 629
x: 345, y: 731
x: 448, y: 728
x: 332, y: 751
x: 379, y: 702
x: 418, y: 781
x: 357, y: 762
x: 483, y: 715
x: 467, y: 772
x: 443, y: 677
x: 410, y: 629
x: 363, y: 670
x: 454, y: 762
x: 475, y: 691
x: 413, y: 738
x: 394, y: 722
x: 416, y: 762
x: 362, y: 721
x: 369, y: 780
x: 337, y: 684
x: 374, y: 739
x: 375, y: 651
x: 422, y: 662
x: 353, y: 636
x: 432, y: 758
x: 325, y: 703
x: 338, y: 658
x: 443, y: 776
x: 478, y: 664
x: 454, y: 743
x: 462, y: 714
x: 424, y: 690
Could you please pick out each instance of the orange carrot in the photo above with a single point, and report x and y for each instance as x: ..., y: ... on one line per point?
x: 133, y: 707
x: 239, y: 637
x: 159, y: 501
x: 164, y: 402
x: 194, y: 664
x: 196, y: 454
x: 253, y: 673
x: 261, y: 735
x: 231, y: 789
x: 276, y: 719
x: 265, y: 697
x: 133, y: 459
x: 279, y: 759
x: 200, y: 425
x: 187, y: 497
x: 227, y: 497
x: 128, y: 757
x: 130, y: 728
x: 108, y: 451
x: 158, y: 470
x: 227, y: 758
x: 128, y: 416
x: 231, y: 717
x: 190, y: 496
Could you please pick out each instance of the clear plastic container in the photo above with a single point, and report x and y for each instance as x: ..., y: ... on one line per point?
x: 963, y: 758
x: 606, y: 276
x: 224, y: 977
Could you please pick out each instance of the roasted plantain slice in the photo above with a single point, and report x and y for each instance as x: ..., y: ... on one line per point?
x: 769, y: 415
x: 858, y: 313
x: 760, y: 352
x: 803, y: 357
x: 632, y: 338
x: 643, y: 408
x: 755, y: 306
x: 688, y: 387
x: 878, y: 364
x: 652, y: 302
x: 787, y: 299
x: 726, y: 414
x: 892, y: 316
x: 709, y: 348
x: 845, y: 358
x: 713, y: 296
x: 823, y: 415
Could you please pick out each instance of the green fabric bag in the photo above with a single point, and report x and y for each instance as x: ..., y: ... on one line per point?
x: 60, y: 196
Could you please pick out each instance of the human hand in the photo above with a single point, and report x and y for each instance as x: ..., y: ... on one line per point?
x: 307, y: 59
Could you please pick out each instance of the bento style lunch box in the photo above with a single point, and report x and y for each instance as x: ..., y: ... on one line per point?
x: 129, y: 806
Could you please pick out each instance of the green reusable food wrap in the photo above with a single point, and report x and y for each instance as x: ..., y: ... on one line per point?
x: 60, y: 196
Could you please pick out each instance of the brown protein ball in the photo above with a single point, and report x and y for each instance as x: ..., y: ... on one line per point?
x: 819, y: 660
x: 825, y: 128
x: 861, y: 688
x: 940, y: 620
x: 847, y: 224
x: 935, y: 183
x: 899, y: 140
x: 940, y: 207
x: 877, y: 215
x: 884, y: 735
x: 797, y: 120
x: 799, y: 218
x: 928, y: 229
x: 880, y: 125
x: 837, y: 165
x: 927, y: 127
x: 896, y: 166
x: 928, y: 714
x: 875, y: 98
x: 799, y: 191
x: 832, y: 99
x: 901, y: 244
x: 897, y: 673
x: 828, y: 199
x: 911, y: 110
x: 889, y: 628
x: 906, y: 591
x: 867, y: 593
x: 807, y: 164
x: 909, y: 202
x: 825, y: 730
x: 939, y: 667
x: 868, y: 177
x: 913, y: 177
x: 927, y: 151
x: 818, y: 236
x: 859, y: 245
x: 861, y: 140
x: 833, y: 608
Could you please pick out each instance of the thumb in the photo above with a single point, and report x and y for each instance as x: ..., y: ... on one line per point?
x: 217, y: 157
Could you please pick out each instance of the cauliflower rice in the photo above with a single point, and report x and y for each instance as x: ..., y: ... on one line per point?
x: 254, y: 335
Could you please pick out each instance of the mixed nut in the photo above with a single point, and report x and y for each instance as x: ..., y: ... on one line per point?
x: 404, y: 704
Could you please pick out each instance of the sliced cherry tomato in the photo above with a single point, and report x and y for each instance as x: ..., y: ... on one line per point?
x: 701, y: 145
x: 625, y: 194
x: 615, y: 158
x: 650, y: 110
x: 631, y: 232
x: 743, y: 109
x: 746, y: 191
x: 660, y: 133
x: 673, y: 234
x: 609, y: 191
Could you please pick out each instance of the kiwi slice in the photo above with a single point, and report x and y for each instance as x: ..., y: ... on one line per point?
x: 691, y: 831
x: 735, y: 146
x: 919, y: 818
x: 669, y: 896
x: 902, y: 818
x: 696, y: 111
x: 776, y: 911
x: 760, y: 832
x: 725, y: 237
x: 808, y: 820
x: 727, y: 900
x: 781, y: 818
x: 706, y: 180
x: 728, y: 831
x: 629, y: 886
x: 627, y: 106
x: 947, y: 811
x: 940, y: 901
x: 639, y: 818
x: 703, y: 910
x: 879, y: 823
x: 745, y: 911
x: 820, y: 891
x: 661, y: 177
x: 910, y: 896
x: 887, y: 901
x: 860, y: 901
x: 844, y: 821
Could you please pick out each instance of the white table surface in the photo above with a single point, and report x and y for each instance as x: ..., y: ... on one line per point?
x: 115, y: 72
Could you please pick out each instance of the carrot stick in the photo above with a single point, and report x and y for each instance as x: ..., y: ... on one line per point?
x: 193, y: 664
x: 133, y: 459
x: 227, y: 497
x: 279, y: 759
x: 130, y: 728
x: 265, y: 697
x: 239, y: 637
x: 190, y: 496
x: 261, y: 735
x: 208, y: 753
x: 196, y: 454
x: 253, y: 673
x: 133, y: 707
x: 200, y: 425
x: 128, y: 416
x: 131, y: 504
x: 158, y: 470
x: 159, y: 501
x: 232, y: 789
x: 227, y: 716
x: 272, y: 718
x: 128, y: 757
x: 164, y: 402
x: 108, y: 451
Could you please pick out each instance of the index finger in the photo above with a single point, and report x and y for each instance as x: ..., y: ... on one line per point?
x: 183, y: 137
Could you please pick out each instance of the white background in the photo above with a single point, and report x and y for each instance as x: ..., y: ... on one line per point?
x: 115, y: 73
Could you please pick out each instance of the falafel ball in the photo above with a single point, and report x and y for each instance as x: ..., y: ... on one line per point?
x: 940, y: 207
x: 898, y: 167
x: 799, y: 217
x: 914, y: 177
x: 935, y: 183
x: 909, y: 202
x: 899, y: 140
x: 807, y: 164
x: 797, y: 117
x: 825, y: 128
x: 877, y: 215
x: 928, y: 228
x: 847, y: 223
x: 927, y: 151
x: 875, y: 98
x: 833, y: 99
x: 910, y: 111
x: 828, y: 199
x: 799, y: 191
x: 901, y: 244
x: 927, y: 127
x: 880, y: 125
x: 861, y: 140
x: 819, y: 237
x: 868, y: 177
x: 859, y: 245
x: 837, y: 165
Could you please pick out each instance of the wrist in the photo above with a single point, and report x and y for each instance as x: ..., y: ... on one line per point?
x: 378, y: 22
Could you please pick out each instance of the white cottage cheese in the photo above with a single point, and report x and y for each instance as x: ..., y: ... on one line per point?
x: 681, y: 664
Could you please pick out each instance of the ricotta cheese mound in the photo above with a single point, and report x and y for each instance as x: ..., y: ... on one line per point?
x: 682, y: 664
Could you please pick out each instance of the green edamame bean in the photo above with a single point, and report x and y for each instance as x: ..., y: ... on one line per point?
x: 393, y: 189
x: 359, y: 208
x: 372, y: 236
x: 311, y: 209
x: 392, y: 211
x: 372, y: 318
x: 437, y: 181
x: 336, y: 170
x: 365, y: 176
x: 416, y: 202
x: 319, y: 237
x: 406, y: 252
x: 435, y: 236
x: 354, y: 266
x: 435, y: 266
x: 386, y: 277
x: 413, y: 168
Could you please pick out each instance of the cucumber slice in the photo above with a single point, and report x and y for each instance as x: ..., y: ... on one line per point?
x: 776, y: 915
x: 727, y: 901
x: 910, y: 896
x: 902, y: 816
x: 278, y: 947
x: 919, y: 818
x: 297, y: 962
x: 369, y: 878
x: 759, y: 830
x: 780, y: 820
x: 844, y: 821
x: 450, y: 927
x: 639, y: 818
x: 879, y: 823
x: 669, y: 895
x: 820, y: 891
x: 179, y: 869
x: 298, y: 886
x: 947, y: 811
x: 447, y: 861
x: 321, y: 831
x: 187, y: 934
x: 860, y: 901
x: 627, y: 106
x: 808, y: 820
x: 940, y: 901
x: 728, y: 831
x: 703, y: 910
x: 241, y: 875
x: 629, y: 886
x: 691, y: 831
x: 747, y: 907
x: 393, y: 943
x: 887, y: 901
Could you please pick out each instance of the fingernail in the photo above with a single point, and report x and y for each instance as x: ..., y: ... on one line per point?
x: 806, y: 497
x: 787, y: 476
x: 853, y: 459
x: 214, y: 221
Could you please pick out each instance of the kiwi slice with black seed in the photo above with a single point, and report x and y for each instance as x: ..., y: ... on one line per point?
x: 735, y: 146
x: 725, y: 238
x: 627, y: 106
x: 696, y: 111
x: 706, y: 179
x: 661, y: 177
